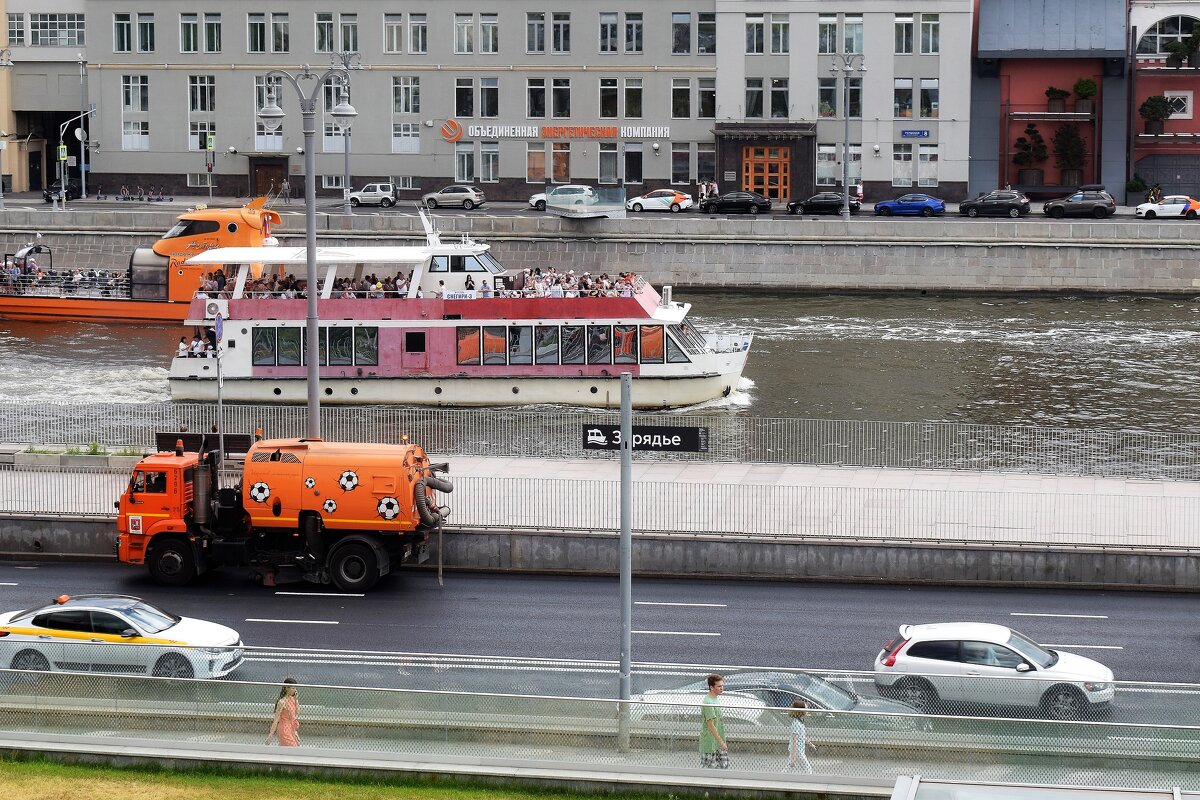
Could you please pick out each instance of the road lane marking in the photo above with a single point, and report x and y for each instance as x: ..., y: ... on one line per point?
x: 295, y: 621
x: 1068, y: 616
x: 677, y: 633
x: 684, y: 605
x: 319, y: 594
x: 1085, y: 646
x: 10, y: 584
x: 26, y: 567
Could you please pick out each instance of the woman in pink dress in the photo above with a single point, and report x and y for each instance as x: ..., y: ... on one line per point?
x: 285, y: 727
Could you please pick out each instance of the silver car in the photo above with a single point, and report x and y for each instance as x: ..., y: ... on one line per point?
x: 466, y: 197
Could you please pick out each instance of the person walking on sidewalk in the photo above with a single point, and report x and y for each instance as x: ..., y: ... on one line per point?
x: 285, y: 726
x: 714, y: 751
x: 798, y: 743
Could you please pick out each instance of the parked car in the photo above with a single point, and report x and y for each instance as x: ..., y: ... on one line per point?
x: 822, y: 203
x: 1089, y: 201
x: 660, y: 200
x: 684, y: 707
x: 52, y: 191
x: 566, y: 195
x: 931, y: 667
x: 1003, y: 202
x: 112, y: 634
x: 380, y: 194
x: 737, y: 203
x: 1176, y: 205
x: 467, y: 197
x: 915, y: 204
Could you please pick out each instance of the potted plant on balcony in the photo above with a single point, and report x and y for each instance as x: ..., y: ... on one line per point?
x: 1154, y: 109
x: 1177, y: 53
x: 1069, y: 154
x: 1135, y: 190
x: 1085, y: 89
x: 1056, y: 100
x: 1031, y: 151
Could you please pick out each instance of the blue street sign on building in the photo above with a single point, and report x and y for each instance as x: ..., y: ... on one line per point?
x: 921, y: 134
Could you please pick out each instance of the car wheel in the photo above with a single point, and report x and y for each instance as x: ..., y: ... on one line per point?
x: 31, y: 661
x: 754, y: 211
x: 972, y: 212
x: 171, y: 563
x: 1190, y: 215
x: 674, y: 208
x: 387, y: 202
x: 1058, y: 212
x: 1064, y: 703
x: 431, y: 203
x: 637, y: 207
x: 1150, y: 215
x: 886, y: 211
x: 540, y: 205
x: 919, y: 694
x: 1099, y: 213
x: 354, y: 567
x: 468, y: 204
x: 354, y: 202
x: 1014, y: 212
x: 926, y: 212
x: 173, y: 665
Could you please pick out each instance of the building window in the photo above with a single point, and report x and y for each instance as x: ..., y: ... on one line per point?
x: 464, y: 97
x: 681, y: 98
x: 708, y: 98
x: 633, y: 98
x: 189, y: 33
x: 826, y: 97
x: 927, y: 165
x: 706, y: 161
x: 827, y: 34
x: 349, y: 28
x: 855, y: 163
x: 464, y: 162
x: 281, y: 37
x: 1181, y: 104
x: 393, y: 33
x: 902, y: 98
x: 418, y: 34
x: 561, y: 97
x: 489, y: 162
x: 706, y: 34
x: 562, y: 32
x: 827, y: 166
x: 929, y: 98
x: 535, y: 32
x: 633, y: 162
x: 256, y: 33
x: 902, y: 165
x: 1174, y: 28
x: 535, y: 162
x: 323, y: 32
x: 135, y: 134
x: 332, y: 182
x: 198, y: 133
x: 931, y: 34
x: 852, y: 29
x: 608, y: 162
x: 608, y: 98
x: 202, y: 93
x: 122, y: 32
x: 781, y: 34
x: 406, y: 137
x: 754, y: 98
x: 464, y: 33
x: 489, y: 33
x: 333, y: 137
x: 560, y: 162
x: 904, y: 34
x: 633, y: 32
x: 489, y: 97
x: 56, y: 30
x: 779, y: 98
x: 855, y: 99
x: 681, y: 33
x: 212, y: 33
x: 135, y: 93
x: 16, y: 30
x: 405, y: 182
x: 406, y: 94
x: 535, y: 93
x: 681, y: 162
x: 754, y: 34
x: 608, y: 32
x: 263, y: 139
x: 145, y: 33
x: 198, y: 180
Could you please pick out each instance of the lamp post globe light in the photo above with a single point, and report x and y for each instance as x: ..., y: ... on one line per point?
x: 847, y: 64
x: 271, y: 116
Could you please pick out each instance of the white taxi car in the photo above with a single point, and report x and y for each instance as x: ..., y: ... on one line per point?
x: 116, y: 634
x: 660, y: 200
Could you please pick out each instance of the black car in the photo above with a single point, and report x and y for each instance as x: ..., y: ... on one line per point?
x: 1002, y: 202
x: 737, y: 203
x: 1089, y: 201
x: 73, y: 191
x: 822, y: 203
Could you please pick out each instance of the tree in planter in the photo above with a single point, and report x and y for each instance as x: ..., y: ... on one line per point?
x: 1031, y: 151
x: 1085, y: 89
x: 1154, y: 109
x: 1069, y: 153
x: 1056, y: 99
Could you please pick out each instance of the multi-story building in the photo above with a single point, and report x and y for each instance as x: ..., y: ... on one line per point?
x: 506, y: 94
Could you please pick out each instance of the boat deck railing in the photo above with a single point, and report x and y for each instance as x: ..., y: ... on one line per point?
x: 64, y: 284
x: 249, y: 293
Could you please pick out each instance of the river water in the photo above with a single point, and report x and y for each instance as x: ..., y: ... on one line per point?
x: 1116, y: 362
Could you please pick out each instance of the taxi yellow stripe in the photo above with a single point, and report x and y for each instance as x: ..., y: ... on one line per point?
x: 106, y: 637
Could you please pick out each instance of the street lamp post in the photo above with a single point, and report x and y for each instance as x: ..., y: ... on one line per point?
x: 346, y: 61
x: 845, y: 64
x: 5, y: 64
x: 62, y: 157
x: 271, y: 116
x: 82, y: 117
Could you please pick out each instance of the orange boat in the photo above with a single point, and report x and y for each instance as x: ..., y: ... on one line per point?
x: 157, y: 286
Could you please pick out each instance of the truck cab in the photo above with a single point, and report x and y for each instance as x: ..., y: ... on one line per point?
x: 158, y: 499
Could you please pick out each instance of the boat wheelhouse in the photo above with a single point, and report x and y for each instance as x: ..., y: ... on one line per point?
x: 455, y: 328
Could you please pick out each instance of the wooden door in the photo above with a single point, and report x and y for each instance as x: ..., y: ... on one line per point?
x: 768, y: 171
x: 266, y: 177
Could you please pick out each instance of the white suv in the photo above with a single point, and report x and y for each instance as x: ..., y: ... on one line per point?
x: 933, y: 667
x: 383, y: 194
x: 568, y: 195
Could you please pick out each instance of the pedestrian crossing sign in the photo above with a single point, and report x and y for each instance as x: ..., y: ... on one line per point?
x: 212, y: 140
x: 62, y: 152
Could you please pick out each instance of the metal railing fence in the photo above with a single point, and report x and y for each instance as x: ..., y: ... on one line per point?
x: 558, y: 433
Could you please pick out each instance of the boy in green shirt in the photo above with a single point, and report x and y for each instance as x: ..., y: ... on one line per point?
x: 714, y: 752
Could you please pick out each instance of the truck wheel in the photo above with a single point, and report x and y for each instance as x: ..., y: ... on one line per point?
x: 171, y: 563
x: 354, y: 567
x: 354, y: 201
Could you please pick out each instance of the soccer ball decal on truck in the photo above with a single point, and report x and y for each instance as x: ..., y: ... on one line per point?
x: 330, y: 506
x: 260, y: 492
x: 310, y: 483
x: 388, y: 508
x: 348, y: 481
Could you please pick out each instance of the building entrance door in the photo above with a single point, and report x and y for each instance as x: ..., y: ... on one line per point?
x: 266, y: 177
x: 768, y: 171
x: 35, y: 171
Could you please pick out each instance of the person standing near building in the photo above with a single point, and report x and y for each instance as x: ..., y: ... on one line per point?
x: 714, y: 750
x: 285, y: 191
x: 798, y: 743
x: 285, y: 726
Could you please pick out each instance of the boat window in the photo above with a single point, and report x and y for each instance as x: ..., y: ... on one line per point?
x: 599, y: 344
x: 652, y: 344
x: 573, y: 351
x: 414, y: 341
x: 546, y: 351
x: 439, y: 264
x: 675, y: 354
x: 192, y: 227
x: 625, y: 349
x: 468, y: 345
x: 322, y: 355
x: 263, y: 347
x: 520, y: 344
x: 492, y: 265
x: 288, y: 351
x: 690, y: 339
x: 494, y: 344
x: 341, y: 346
x: 464, y: 264
x: 366, y: 346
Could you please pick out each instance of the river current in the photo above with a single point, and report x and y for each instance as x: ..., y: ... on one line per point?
x: 1112, y: 362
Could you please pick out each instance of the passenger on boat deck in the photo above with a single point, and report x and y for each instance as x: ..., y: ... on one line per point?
x: 221, y: 280
x: 197, y: 348
x: 182, y: 351
x: 469, y: 284
x: 486, y: 286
